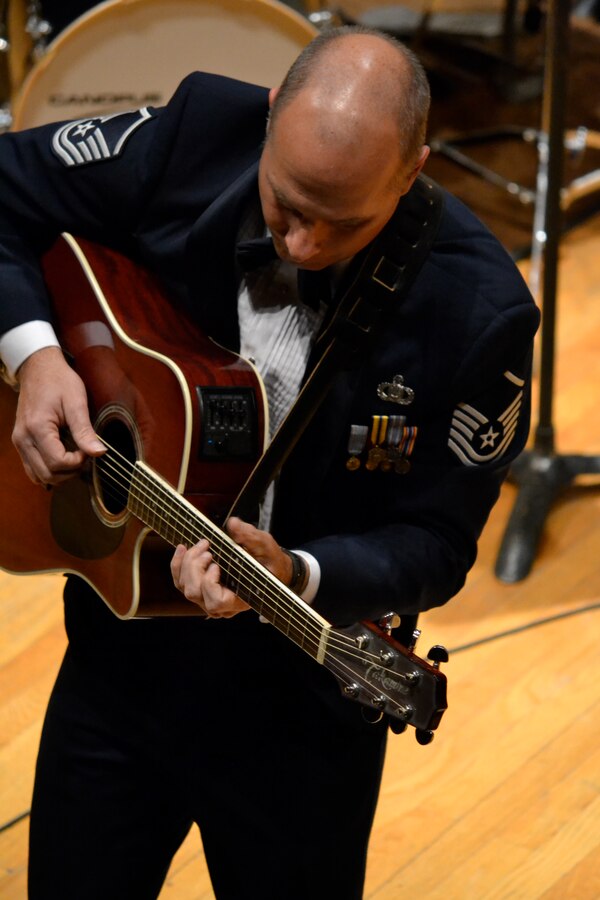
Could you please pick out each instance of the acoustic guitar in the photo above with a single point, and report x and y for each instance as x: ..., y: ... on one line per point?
x: 184, y: 422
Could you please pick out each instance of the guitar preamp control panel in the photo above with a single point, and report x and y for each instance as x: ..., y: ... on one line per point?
x: 229, y: 423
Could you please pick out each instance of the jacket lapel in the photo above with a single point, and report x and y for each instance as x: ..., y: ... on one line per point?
x: 212, y: 273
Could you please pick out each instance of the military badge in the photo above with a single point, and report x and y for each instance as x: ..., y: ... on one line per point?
x: 376, y: 452
x: 389, y: 443
x: 477, y: 438
x: 92, y: 140
x: 400, y: 445
x: 356, y: 444
x: 395, y: 391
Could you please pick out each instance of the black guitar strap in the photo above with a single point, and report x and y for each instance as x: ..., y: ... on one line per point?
x: 383, y: 279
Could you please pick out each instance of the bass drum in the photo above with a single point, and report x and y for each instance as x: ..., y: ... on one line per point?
x: 129, y: 53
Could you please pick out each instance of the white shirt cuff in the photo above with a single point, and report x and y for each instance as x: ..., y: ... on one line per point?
x: 314, y: 578
x: 19, y: 343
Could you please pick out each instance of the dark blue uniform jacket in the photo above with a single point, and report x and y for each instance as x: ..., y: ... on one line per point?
x: 168, y: 189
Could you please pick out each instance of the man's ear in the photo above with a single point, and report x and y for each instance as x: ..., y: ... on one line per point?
x: 425, y: 151
x: 272, y: 97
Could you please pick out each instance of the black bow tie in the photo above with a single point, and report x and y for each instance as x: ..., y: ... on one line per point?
x: 314, y: 288
x: 255, y: 253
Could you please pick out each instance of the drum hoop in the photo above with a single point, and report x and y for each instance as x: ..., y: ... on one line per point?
x: 296, y: 25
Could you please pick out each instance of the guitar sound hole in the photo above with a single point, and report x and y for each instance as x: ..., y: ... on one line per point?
x: 112, y: 471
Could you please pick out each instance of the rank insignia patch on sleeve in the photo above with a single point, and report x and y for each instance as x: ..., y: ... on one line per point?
x: 476, y: 438
x: 92, y: 140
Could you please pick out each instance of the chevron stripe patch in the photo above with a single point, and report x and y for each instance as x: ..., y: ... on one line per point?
x: 477, y: 438
x: 92, y: 140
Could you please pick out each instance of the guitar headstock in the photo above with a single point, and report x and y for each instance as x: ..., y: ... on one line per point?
x: 388, y: 679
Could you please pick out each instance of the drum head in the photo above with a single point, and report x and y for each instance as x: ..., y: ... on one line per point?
x: 129, y: 53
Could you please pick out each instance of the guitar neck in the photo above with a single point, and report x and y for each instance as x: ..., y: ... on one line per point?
x: 159, y: 506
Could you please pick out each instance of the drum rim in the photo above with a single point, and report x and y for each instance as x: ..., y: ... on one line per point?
x: 294, y: 17
x: 297, y: 24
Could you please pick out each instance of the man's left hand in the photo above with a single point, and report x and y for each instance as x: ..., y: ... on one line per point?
x: 197, y: 575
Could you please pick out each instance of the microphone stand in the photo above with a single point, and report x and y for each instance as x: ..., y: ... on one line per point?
x: 541, y: 473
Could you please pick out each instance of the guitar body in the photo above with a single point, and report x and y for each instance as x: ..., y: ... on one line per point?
x: 159, y: 391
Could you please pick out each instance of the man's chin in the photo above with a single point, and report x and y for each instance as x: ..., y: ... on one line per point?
x: 310, y: 265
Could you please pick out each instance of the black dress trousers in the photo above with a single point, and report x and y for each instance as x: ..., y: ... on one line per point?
x: 155, y: 725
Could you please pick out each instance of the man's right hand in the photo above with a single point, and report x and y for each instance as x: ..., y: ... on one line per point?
x: 52, y: 398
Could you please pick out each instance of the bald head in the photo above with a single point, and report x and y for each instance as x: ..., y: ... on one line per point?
x: 344, y: 143
x: 356, y: 84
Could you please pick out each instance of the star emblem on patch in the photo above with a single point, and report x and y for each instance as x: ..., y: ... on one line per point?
x: 489, y: 438
x: 97, y: 138
x: 476, y: 436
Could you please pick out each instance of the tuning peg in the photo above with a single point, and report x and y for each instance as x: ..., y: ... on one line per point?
x: 437, y: 655
x: 423, y: 736
x: 389, y: 621
x: 397, y: 726
x: 414, y: 638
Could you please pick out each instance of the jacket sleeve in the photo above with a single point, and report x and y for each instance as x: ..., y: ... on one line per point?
x: 135, y: 181
x: 48, y: 188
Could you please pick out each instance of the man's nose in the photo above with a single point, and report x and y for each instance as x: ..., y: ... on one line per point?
x: 302, y: 242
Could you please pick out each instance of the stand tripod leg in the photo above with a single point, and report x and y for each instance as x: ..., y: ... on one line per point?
x: 540, y: 477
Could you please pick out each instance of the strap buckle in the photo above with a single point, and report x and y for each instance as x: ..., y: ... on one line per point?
x: 388, y: 274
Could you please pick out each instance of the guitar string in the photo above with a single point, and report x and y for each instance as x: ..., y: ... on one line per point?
x: 338, y: 666
x: 186, y: 532
x: 219, y: 542
x: 335, y: 641
x: 346, y: 645
x: 342, y: 641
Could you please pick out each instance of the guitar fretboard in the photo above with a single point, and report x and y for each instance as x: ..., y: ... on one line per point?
x: 158, y: 505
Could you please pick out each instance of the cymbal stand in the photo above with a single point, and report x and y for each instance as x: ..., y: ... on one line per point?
x: 26, y: 21
x: 541, y: 473
x: 5, y: 119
